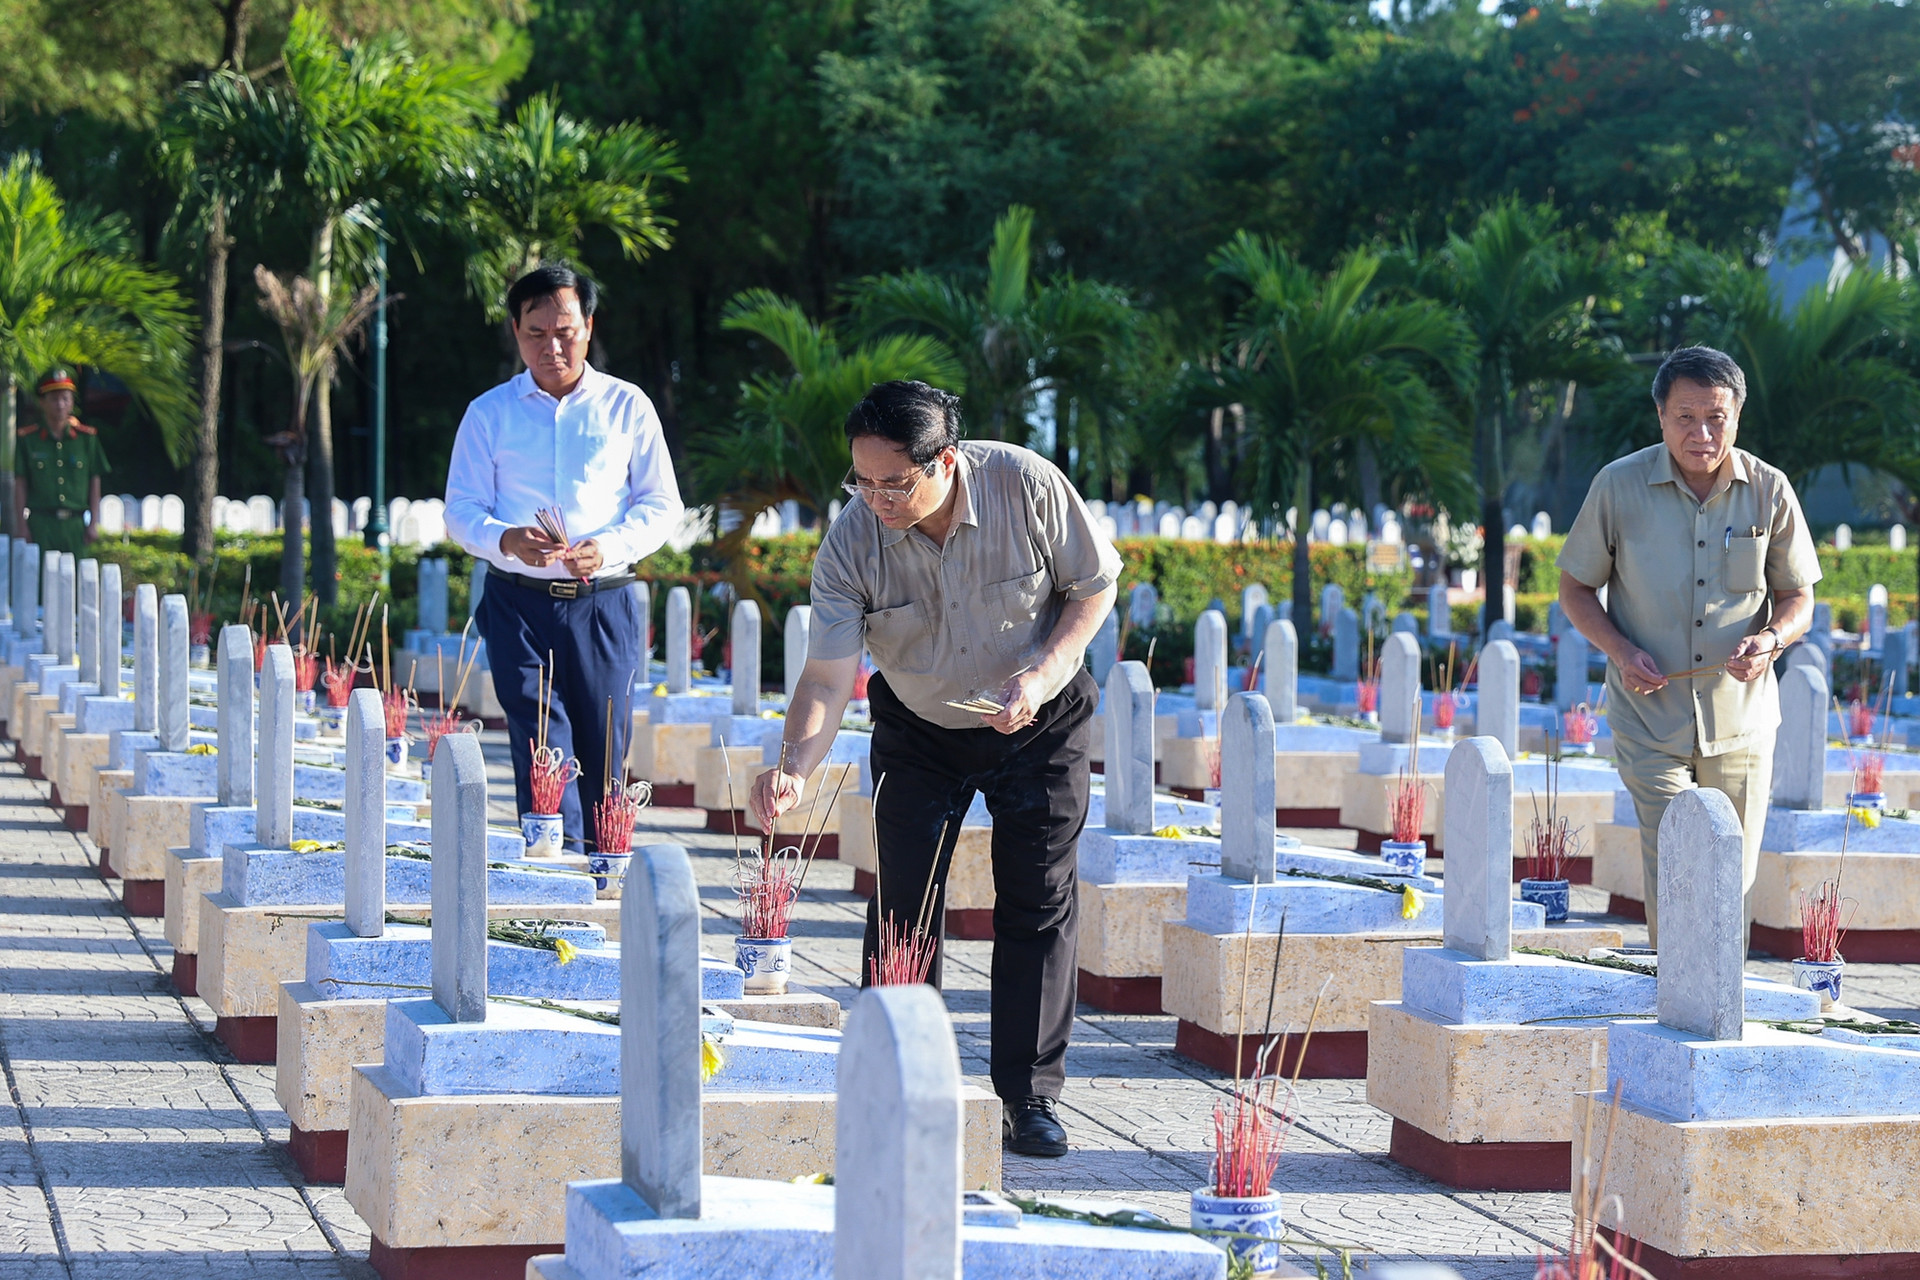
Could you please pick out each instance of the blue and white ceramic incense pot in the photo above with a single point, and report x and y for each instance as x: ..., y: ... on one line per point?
x: 1404, y: 857
x: 1245, y: 1215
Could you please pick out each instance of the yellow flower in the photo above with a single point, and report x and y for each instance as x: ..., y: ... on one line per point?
x: 711, y: 1059
x: 1170, y: 833
x: 1869, y: 818
x: 660, y: 691
x: 1409, y: 903
x: 304, y: 846
x: 813, y: 1180
x: 564, y: 951
x: 202, y: 749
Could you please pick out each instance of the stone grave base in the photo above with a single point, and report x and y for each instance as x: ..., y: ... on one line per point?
x: 53, y: 754
x: 1885, y: 926
x: 107, y: 792
x: 145, y: 898
x: 436, y: 1174
x: 1203, y: 983
x: 84, y: 756
x: 969, y: 875
x: 1121, y: 929
x: 728, y: 815
x: 722, y: 776
x: 1367, y: 806
x: 1482, y: 1108
x: 666, y: 755
x: 320, y: 1041
x: 1617, y: 869
x: 186, y: 974
x: 144, y: 828
x: 1186, y: 764
x: 1164, y: 727
x: 1772, y: 1198
x: 190, y: 877
x: 1533, y: 738
x: 247, y: 953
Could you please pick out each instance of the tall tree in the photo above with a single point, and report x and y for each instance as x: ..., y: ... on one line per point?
x: 380, y: 133
x: 71, y: 292
x: 1016, y: 337
x: 544, y: 179
x: 315, y: 325
x: 226, y: 146
x: 787, y: 439
x: 1527, y: 295
x: 1319, y: 363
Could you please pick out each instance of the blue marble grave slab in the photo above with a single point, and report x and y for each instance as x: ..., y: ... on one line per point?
x: 1220, y: 905
x: 502, y: 845
x: 696, y: 707
x: 520, y: 1049
x: 612, y: 1234
x: 730, y: 730
x: 257, y: 877
x: 125, y: 745
x: 1306, y: 736
x: 1820, y: 831
x: 1766, y: 1075
x: 1460, y: 991
x: 72, y: 692
x: 55, y: 678
x: 1108, y: 857
x: 175, y: 773
x: 211, y: 827
x: 103, y: 715
x: 1389, y: 758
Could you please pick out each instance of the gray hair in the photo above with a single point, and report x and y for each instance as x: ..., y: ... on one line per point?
x: 1704, y: 365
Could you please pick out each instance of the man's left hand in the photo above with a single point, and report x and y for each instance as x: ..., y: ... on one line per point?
x: 1020, y: 701
x: 1753, y: 655
x: 583, y: 558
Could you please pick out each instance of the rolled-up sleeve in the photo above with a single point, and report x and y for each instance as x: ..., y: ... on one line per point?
x: 1079, y: 559
x: 839, y: 627
x: 1587, y: 555
x: 654, y: 507
x: 1792, y: 562
x: 472, y: 489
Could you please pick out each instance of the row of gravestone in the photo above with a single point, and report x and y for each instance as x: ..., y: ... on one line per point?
x: 421, y: 523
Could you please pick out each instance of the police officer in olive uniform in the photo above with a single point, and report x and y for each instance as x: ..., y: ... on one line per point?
x: 57, y: 466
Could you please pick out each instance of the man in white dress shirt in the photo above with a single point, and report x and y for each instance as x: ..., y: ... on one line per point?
x: 561, y: 435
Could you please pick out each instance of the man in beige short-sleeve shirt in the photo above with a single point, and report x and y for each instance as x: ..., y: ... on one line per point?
x: 975, y: 577
x: 1709, y: 573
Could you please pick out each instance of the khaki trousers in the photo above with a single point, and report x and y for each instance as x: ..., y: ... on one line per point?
x: 1654, y: 777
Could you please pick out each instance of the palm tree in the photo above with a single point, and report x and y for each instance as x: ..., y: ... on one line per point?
x: 543, y: 180
x: 1319, y: 364
x: 788, y: 439
x: 314, y: 327
x: 1527, y: 296
x: 379, y: 134
x: 1017, y: 337
x: 225, y: 144
x: 71, y: 292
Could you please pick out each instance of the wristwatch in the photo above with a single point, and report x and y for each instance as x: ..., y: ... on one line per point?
x: 1778, y: 642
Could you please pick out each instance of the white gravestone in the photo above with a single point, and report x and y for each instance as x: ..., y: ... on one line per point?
x: 1703, y: 938
x: 1897, y: 538
x: 897, y: 1166
x: 1332, y: 600
x: 112, y: 638
x: 88, y: 630
x: 1478, y: 830
x: 433, y: 596
x: 745, y: 642
x: 146, y: 658
x: 679, y: 640
x: 233, y: 675
x: 1247, y: 790
x: 1399, y: 688
x: 49, y: 600
x: 366, y: 814
x: 171, y: 724
x: 459, y: 891
x: 1876, y: 616
x: 63, y: 638
x: 1570, y: 670
x: 798, y: 638
x: 1129, y: 746
x: 1542, y: 525
x: 1498, y: 713
x: 1143, y: 605
x: 1439, y: 612
x: 660, y: 1151
x: 173, y: 513
x: 1282, y: 678
x: 1210, y: 661
x: 1407, y: 623
x: 273, y: 781
x: 1843, y: 537
x: 1894, y: 653
x: 1251, y: 598
x: 1105, y: 649
x: 1800, y: 746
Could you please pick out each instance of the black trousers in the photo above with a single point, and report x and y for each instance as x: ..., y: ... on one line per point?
x: 1035, y: 784
x: 594, y: 644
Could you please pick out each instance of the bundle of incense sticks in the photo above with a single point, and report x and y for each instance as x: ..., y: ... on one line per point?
x: 770, y: 885
x: 554, y: 525
x: 1250, y: 1133
x: 905, y: 953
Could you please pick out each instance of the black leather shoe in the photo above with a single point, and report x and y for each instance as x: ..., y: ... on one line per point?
x: 1032, y: 1128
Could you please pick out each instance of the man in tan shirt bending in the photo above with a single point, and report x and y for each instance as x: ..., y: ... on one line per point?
x: 974, y: 575
x: 1709, y: 574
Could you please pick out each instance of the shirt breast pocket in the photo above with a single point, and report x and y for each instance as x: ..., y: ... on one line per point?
x: 900, y: 639
x: 1012, y: 609
x: 1747, y: 564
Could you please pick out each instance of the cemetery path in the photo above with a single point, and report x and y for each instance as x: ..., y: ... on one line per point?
x: 132, y: 1146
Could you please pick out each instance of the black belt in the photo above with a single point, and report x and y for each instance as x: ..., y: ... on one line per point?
x: 565, y: 588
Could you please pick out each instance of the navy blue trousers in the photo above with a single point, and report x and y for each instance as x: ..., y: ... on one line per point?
x: 594, y: 643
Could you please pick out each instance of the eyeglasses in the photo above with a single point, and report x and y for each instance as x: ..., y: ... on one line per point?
x: 870, y: 492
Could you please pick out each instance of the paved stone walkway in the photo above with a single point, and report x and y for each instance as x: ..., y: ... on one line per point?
x: 131, y: 1145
